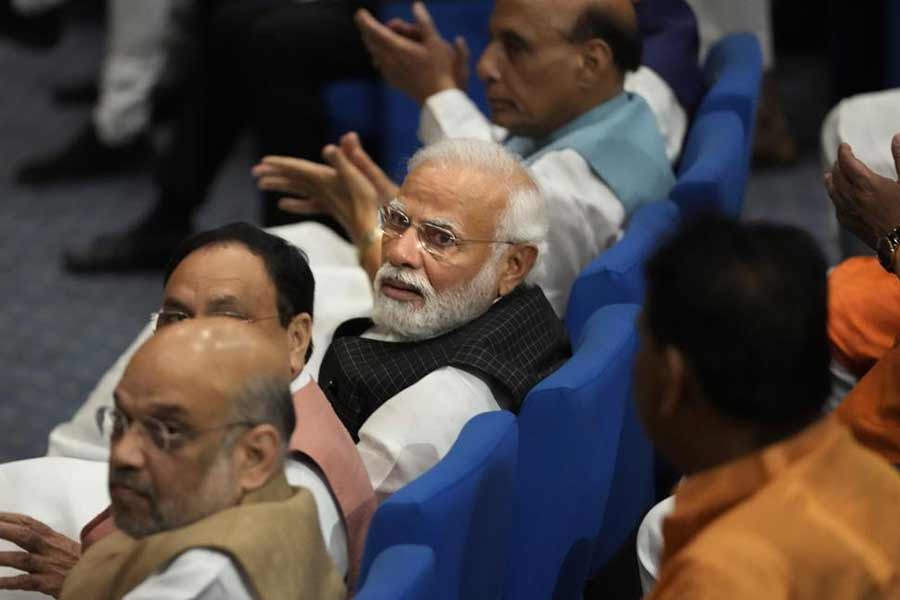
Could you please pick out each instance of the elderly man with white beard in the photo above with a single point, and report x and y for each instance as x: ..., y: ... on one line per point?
x: 456, y: 329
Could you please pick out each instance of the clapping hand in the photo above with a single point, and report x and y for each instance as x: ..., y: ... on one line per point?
x: 866, y: 203
x: 414, y: 57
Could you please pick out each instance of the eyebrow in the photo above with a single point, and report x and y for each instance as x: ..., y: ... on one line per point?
x: 444, y: 223
x: 224, y: 302
x: 173, y: 303
x: 157, y: 408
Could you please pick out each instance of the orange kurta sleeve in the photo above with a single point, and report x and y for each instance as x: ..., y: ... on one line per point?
x: 872, y: 409
x: 863, y: 313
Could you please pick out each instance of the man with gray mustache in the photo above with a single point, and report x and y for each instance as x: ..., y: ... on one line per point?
x: 457, y: 329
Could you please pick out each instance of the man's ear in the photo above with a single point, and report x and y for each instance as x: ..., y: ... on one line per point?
x: 258, y: 455
x: 674, y: 391
x: 596, y: 61
x: 299, y: 333
x: 516, y: 265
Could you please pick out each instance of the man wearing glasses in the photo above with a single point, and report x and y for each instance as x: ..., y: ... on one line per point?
x: 457, y: 329
x: 261, y: 282
x: 198, y: 439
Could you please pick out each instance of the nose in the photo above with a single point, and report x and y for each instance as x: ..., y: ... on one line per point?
x: 404, y: 251
x: 487, y: 64
x: 127, y: 450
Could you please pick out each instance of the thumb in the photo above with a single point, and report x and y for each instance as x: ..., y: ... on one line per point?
x: 462, y: 49
x: 423, y: 19
x: 895, y: 150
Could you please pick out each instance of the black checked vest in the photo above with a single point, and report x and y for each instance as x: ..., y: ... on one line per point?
x: 514, y: 345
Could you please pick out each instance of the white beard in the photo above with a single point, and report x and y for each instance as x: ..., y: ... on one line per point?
x: 440, y: 313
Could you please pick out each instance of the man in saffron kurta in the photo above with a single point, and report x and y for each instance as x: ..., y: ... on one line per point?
x: 730, y: 384
x: 198, y: 438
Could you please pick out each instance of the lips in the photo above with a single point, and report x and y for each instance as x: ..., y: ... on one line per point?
x: 125, y: 494
x: 398, y: 290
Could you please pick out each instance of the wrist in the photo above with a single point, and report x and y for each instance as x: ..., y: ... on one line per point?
x: 442, y: 84
x: 887, y: 247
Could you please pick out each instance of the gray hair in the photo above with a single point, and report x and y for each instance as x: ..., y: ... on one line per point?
x: 265, y: 399
x: 525, y: 219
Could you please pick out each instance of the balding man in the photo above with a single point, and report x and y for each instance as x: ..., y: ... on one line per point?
x: 555, y: 76
x: 198, y: 438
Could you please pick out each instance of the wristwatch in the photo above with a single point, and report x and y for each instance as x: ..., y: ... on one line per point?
x: 887, y: 248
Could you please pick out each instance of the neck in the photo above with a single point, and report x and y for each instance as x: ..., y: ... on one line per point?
x: 583, y: 104
x: 730, y: 440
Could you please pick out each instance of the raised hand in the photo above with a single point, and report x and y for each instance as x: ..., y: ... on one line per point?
x: 414, y: 57
x: 866, y: 203
x: 46, y: 557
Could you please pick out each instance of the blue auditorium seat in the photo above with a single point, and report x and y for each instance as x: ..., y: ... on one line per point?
x: 581, y: 456
x: 403, y: 572
x: 712, y: 175
x: 733, y: 71
x: 617, y: 275
x: 399, y: 114
x: 460, y: 509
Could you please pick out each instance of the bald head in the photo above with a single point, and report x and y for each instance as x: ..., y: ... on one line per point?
x: 202, y: 416
x: 214, y: 364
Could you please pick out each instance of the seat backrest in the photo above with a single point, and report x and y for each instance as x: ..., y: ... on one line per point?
x: 400, y: 114
x: 733, y: 72
x: 617, y: 275
x: 460, y: 508
x: 404, y: 572
x: 570, y: 435
x: 712, y: 176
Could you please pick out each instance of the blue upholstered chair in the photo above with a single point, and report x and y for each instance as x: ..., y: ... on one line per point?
x: 403, y: 572
x: 712, y: 175
x: 617, y: 275
x: 733, y: 71
x: 580, y: 457
x: 461, y: 509
x: 399, y: 114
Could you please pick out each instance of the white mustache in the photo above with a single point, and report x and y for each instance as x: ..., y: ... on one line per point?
x: 406, y: 277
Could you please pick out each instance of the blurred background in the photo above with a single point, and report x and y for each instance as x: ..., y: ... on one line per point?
x: 59, y: 331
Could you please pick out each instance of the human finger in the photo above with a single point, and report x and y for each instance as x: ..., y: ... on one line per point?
x: 22, y: 561
x: 300, y: 207
x: 377, y: 37
x: 853, y: 170
x: 281, y: 184
x: 895, y: 152
x: 423, y: 19
x: 26, y: 582
x: 23, y: 537
x: 408, y: 30
x: 462, y: 49
x: 353, y: 149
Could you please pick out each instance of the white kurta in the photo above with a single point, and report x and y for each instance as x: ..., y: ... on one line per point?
x: 415, y: 429
x: 585, y: 216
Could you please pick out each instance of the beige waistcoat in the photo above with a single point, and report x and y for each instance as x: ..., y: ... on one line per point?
x: 273, y: 536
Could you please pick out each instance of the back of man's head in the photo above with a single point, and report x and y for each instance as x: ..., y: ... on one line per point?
x: 615, y: 23
x: 746, y: 306
x: 286, y: 265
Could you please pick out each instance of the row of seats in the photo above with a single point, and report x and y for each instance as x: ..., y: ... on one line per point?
x: 530, y: 507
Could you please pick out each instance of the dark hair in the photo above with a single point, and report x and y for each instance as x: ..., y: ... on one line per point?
x: 286, y: 265
x: 266, y: 400
x: 623, y: 40
x: 746, y: 304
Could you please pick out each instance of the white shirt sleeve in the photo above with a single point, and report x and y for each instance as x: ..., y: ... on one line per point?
x: 585, y: 218
x: 415, y: 429
x: 199, y: 574
x: 670, y: 115
x: 452, y: 114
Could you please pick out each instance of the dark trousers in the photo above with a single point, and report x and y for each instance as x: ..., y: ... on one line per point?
x: 260, y: 63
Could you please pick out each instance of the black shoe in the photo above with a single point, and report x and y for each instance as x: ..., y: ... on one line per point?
x: 142, y: 248
x: 71, y: 93
x: 38, y: 31
x: 85, y: 157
